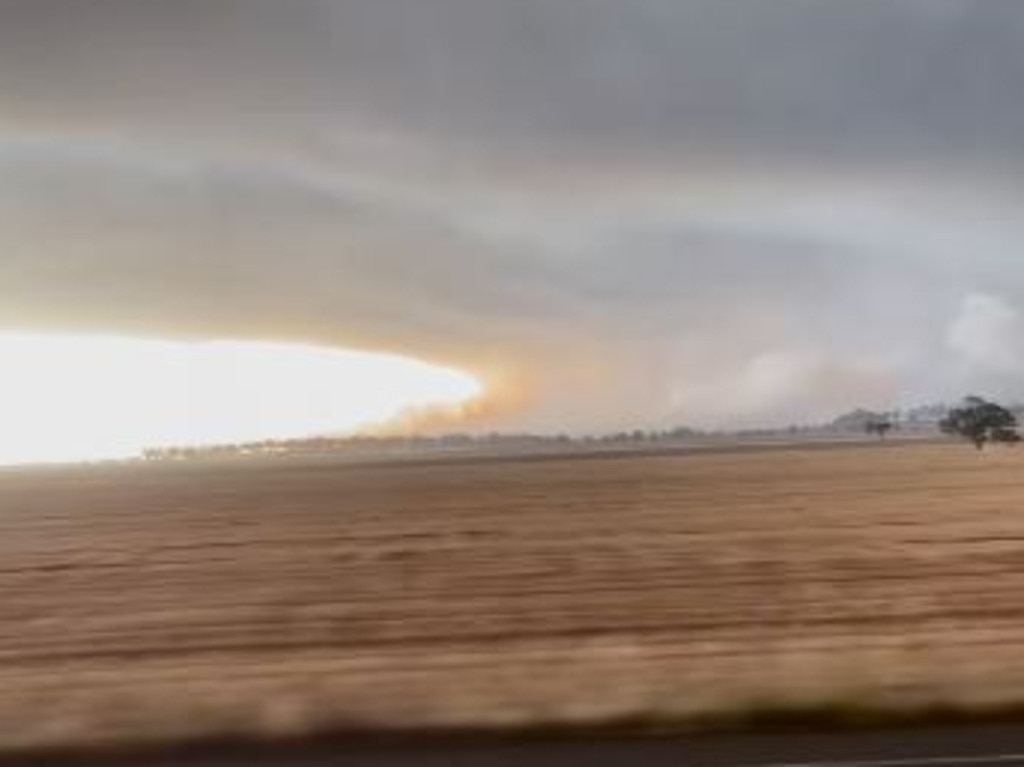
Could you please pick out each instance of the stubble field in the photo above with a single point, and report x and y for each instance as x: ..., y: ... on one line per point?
x: 278, y: 597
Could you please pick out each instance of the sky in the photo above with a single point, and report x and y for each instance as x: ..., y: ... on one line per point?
x: 614, y: 214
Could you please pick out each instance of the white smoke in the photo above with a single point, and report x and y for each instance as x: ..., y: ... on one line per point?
x: 988, y: 336
x: 789, y: 385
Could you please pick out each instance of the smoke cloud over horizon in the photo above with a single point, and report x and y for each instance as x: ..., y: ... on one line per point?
x: 714, y: 212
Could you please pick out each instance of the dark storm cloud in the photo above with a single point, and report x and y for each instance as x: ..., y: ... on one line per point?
x: 876, y: 78
x: 872, y: 78
x: 645, y: 210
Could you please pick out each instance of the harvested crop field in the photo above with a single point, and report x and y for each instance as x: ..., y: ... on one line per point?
x: 178, y: 600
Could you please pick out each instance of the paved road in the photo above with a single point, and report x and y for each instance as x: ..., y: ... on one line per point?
x: 991, y: 746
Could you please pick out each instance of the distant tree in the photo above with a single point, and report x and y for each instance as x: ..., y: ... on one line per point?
x: 981, y: 422
x: 867, y: 421
x: 879, y: 426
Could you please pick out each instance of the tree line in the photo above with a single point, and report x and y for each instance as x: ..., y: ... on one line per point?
x: 976, y: 420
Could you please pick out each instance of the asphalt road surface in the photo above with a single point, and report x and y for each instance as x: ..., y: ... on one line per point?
x: 988, y: 746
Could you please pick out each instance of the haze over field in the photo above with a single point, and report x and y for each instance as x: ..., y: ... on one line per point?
x: 717, y: 212
x: 600, y: 367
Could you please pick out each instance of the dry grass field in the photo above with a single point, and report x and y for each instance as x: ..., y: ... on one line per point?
x: 174, y: 600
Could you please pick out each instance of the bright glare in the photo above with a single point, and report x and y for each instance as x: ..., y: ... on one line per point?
x: 68, y: 398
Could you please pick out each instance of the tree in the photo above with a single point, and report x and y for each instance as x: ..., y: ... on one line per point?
x: 981, y: 422
x: 879, y: 426
x: 867, y: 421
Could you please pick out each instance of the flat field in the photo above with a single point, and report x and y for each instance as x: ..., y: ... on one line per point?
x: 279, y: 596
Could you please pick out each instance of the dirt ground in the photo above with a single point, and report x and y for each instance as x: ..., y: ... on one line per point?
x: 172, y: 600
